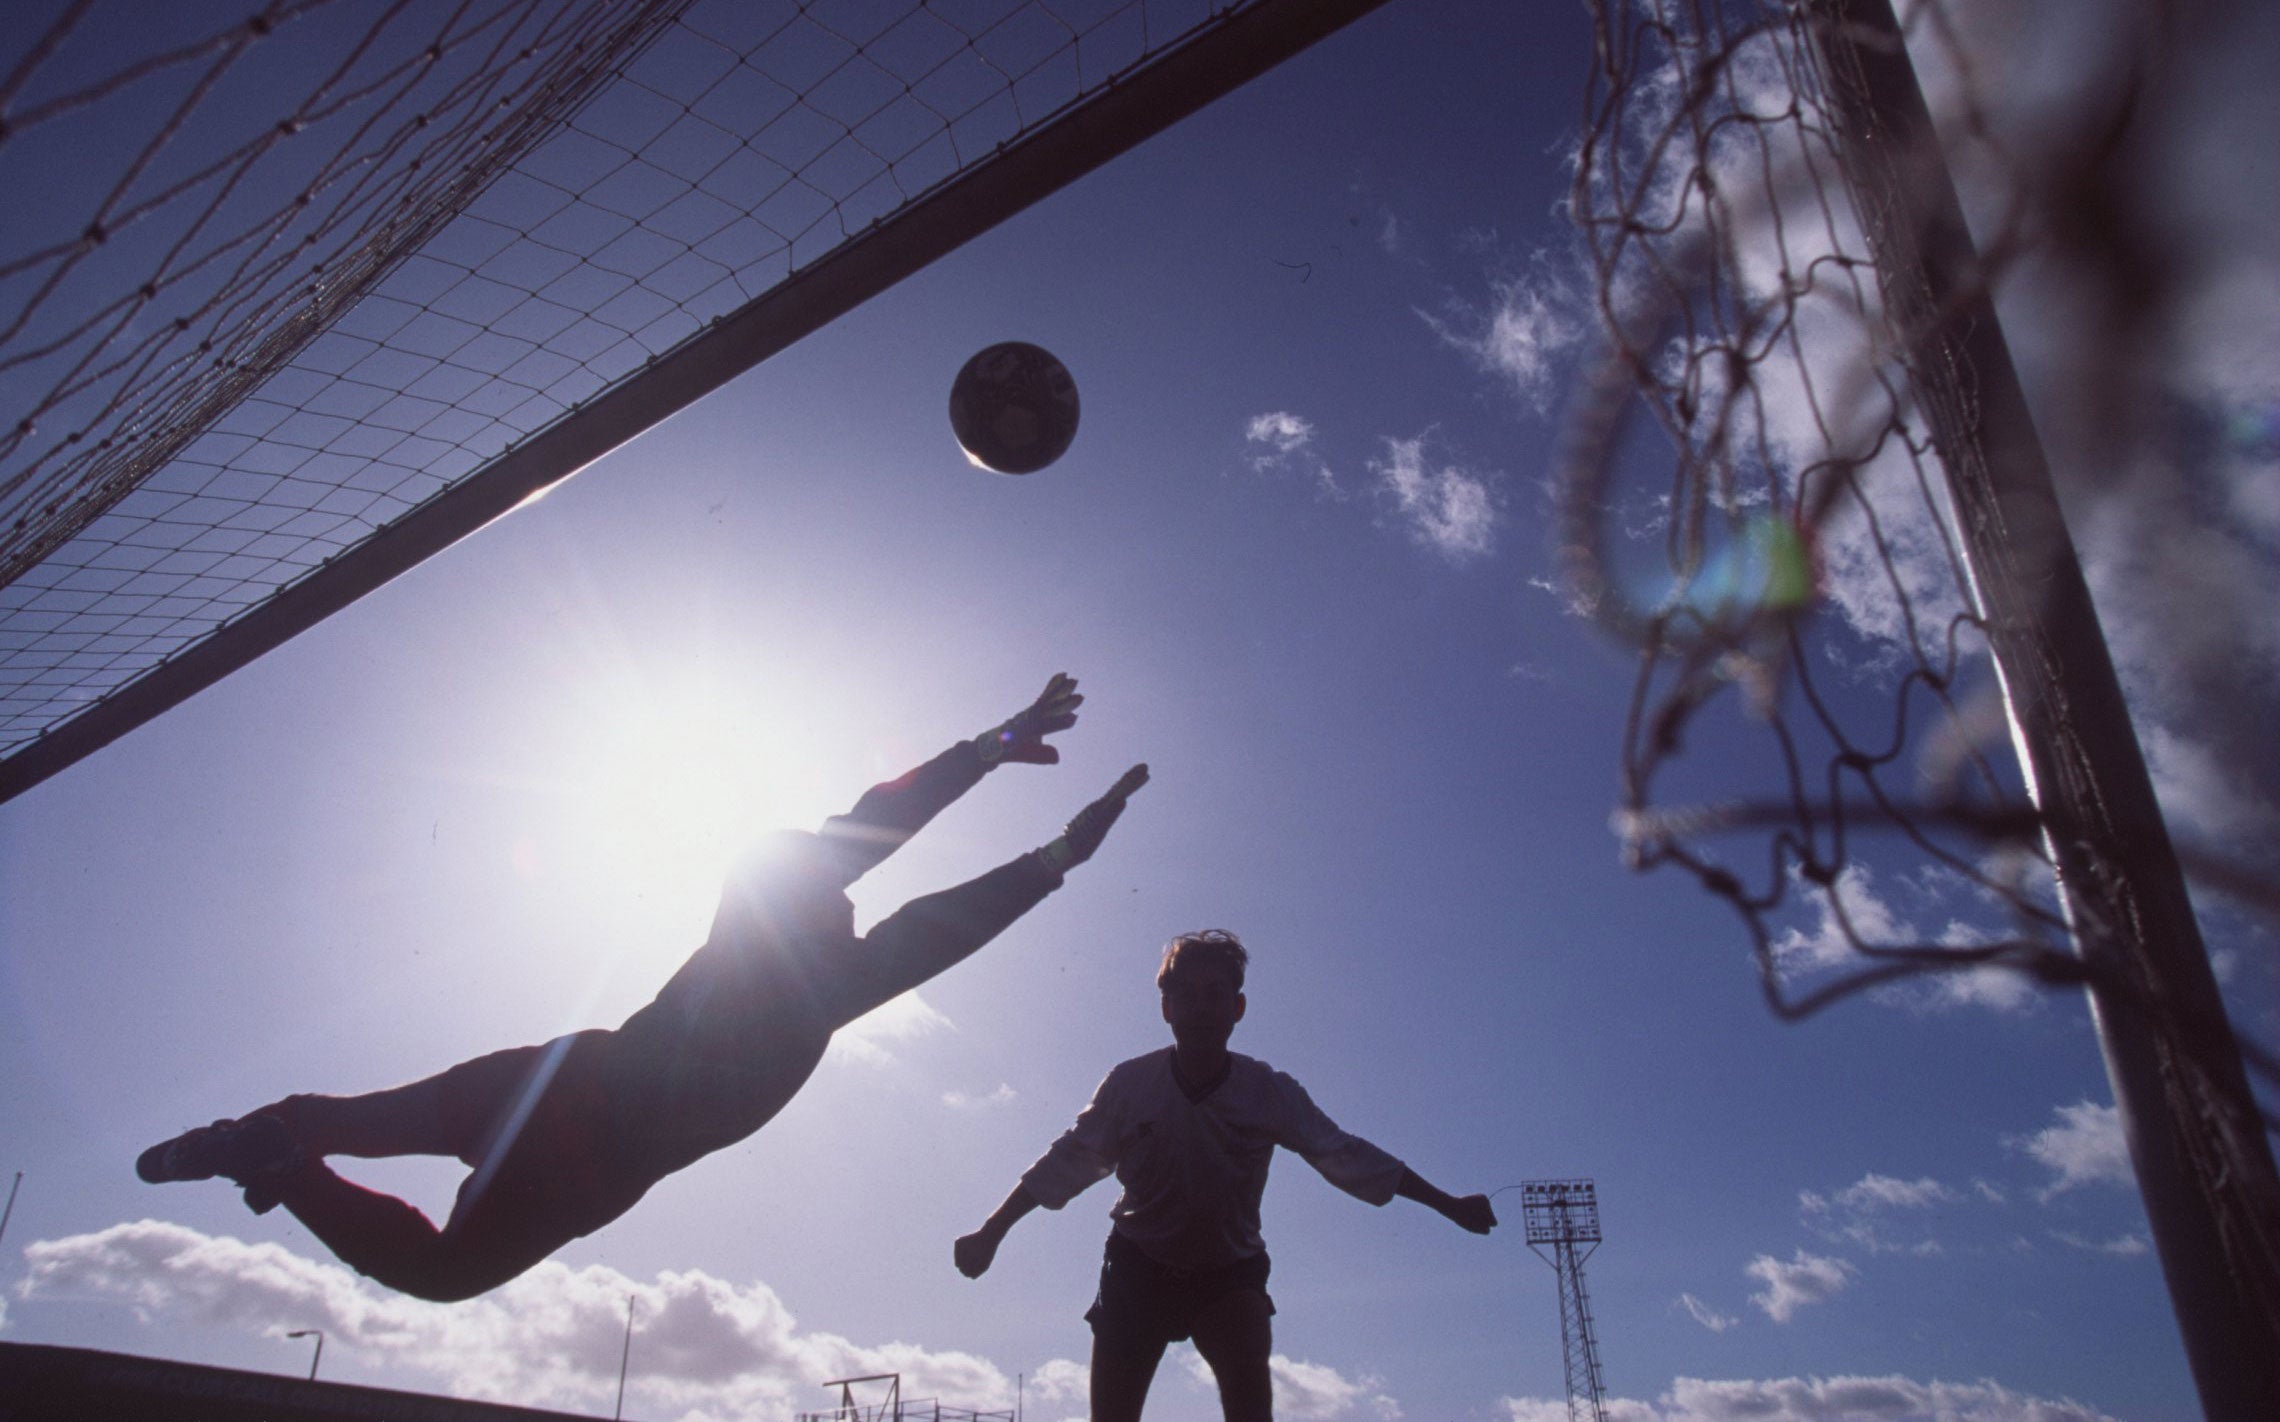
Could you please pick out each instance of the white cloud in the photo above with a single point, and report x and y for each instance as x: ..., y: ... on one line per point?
x: 2133, y: 384
x: 1837, y: 1399
x: 1852, y: 900
x: 1873, y: 1191
x: 1449, y: 509
x: 1805, y: 1279
x: 1287, y: 443
x: 2225, y: 965
x: 1280, y: 431
x: 967, y: 1101
x: 2201, y: 793
x: 703, y: 1347
x: 1446, y: 507
x: 2124, y: 1246
x: 1861, y: 1214
x: 902, y: 1019
x: 2085, y: 1147
x: 1705, y: 1315
x: 1995, y: 989
x: 1854, y: 908
x: 2187, y: 607
x: 1531, y: 327
x: 1061, y: 1380
x: 1310, y: 1392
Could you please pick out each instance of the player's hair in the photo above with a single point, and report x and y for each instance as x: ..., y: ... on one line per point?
x: 1206, y: 947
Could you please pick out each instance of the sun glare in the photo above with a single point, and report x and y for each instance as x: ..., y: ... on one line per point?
x: 669, y: 785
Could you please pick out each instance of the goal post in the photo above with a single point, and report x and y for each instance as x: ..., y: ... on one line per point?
x: 1861, y: 587
x: 2196, y: 1138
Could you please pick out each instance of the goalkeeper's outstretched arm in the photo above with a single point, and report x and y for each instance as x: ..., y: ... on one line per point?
x: 938, y: 931
x: 889, y: 814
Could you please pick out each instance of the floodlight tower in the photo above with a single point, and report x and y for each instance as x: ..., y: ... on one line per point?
x: 1565, y: 1215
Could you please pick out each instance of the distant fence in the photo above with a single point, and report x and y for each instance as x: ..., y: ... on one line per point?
x: 924, y: 1409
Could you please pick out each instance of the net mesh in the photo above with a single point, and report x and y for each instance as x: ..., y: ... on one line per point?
x: 1751, y: 495
x: 296, y: 273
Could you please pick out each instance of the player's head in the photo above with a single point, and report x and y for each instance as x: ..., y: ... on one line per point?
x: 1202, y: 984
x: 1206, y: 949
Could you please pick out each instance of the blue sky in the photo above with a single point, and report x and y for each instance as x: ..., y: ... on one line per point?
x: 1298, y: 558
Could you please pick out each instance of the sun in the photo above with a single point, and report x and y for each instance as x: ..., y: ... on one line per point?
x: 664, y: 784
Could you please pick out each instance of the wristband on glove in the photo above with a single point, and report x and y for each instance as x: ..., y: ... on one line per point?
x: 1058, y: 856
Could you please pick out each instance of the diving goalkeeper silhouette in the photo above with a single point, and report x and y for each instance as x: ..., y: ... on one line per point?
x: 564, y: 1137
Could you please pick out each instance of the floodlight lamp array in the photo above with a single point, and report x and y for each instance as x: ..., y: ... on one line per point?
x: 1560, y: 1211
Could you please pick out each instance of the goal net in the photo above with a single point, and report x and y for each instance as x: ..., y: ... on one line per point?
x: 1808, y: 487
x: 1757, y: 491
x: 312, y: 290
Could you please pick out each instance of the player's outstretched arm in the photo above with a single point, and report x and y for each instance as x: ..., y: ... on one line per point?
x: 1083, y: 835
x: 1022, y: 738
x: 975, y: 1252
x: 889, y: 814
x: 930, y: 934
x: 1468, y: 1212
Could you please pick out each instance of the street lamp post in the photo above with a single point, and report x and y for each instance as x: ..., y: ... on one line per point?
x: 319, y: 1335
x: 624, y: 1357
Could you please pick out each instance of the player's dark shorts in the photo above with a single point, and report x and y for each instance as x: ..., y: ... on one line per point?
x: 1145, y: 1301
x: 537, y: 1125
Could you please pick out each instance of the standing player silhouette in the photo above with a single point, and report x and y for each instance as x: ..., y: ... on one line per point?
x: 1189, y: 1131
x: 564, y: 1137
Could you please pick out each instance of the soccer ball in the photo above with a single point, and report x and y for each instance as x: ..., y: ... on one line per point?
x: 1013, y: 408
